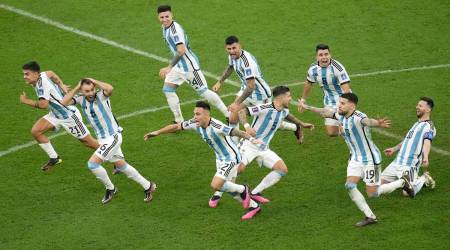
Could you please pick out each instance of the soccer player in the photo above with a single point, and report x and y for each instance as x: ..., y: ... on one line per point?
x: 414, y: 151
x: 268, y: 118
x: 365, y: 157
x: 96, y: 106
x: 254, y: 89
x: 334, y: 81
x: 50, y: 91
x: 184, y: 66
x: 217, y: 135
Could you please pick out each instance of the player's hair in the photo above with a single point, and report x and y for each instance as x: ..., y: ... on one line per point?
x: 322, y: 46
x: 428, y: 100
x: 85, y: 81
x: 351, y: 97
x: 33, y: 66
x: 231, y: 39
x: 203, y: 104
x: 164, y: 8
x: 279, y: 90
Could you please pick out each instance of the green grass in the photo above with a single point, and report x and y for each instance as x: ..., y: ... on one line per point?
x: 310, y: 207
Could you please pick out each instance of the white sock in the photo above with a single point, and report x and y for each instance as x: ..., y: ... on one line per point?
x: 418, y: 184
x: 133, y: 174
x: 390, y: 187
x: 231, y: 187
x: 288, y: 126
x: 359, y: 200
x: 48, y: 148
x: 101, y: 174
x: 215, y: 100
x: 269, y: 180
x: 218, y: 193
x: 174, y: 105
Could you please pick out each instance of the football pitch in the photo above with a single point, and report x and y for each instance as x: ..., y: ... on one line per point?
x: 394, y: 51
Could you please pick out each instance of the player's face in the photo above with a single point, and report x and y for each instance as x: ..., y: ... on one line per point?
x: 201, y: 116
x: 345, y: 106
x: 422, y: 108
x: 234, y: 50
x: 323, y: 57
x: 165, y: 18
x: 30, y: 77
x: 88, y: 90
x: 286, y: 99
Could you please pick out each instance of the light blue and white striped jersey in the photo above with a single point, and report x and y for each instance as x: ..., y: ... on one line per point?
x: 45, y: 88
x: 99, y: 114
x: 267, y: 119
x: 410, y: 153
x: 330, y: 80
x: 217, y: 135
x: 358, y: 139
x: 174, y: 35
x: 246, y: 68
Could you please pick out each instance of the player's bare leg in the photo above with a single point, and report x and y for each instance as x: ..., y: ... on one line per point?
x: 360, y: 201
x: 90, y: 142
x: 38, y: 131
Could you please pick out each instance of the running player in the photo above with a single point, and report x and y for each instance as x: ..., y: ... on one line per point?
x: 96, y: 106
x: 50, y: 91
x: 268, y: 118
x: 217, y: 135
x: 414, y: 151
x: 365, y: 156
x: 184, y: 66
x: 332, y: 78
x: 254, y: 89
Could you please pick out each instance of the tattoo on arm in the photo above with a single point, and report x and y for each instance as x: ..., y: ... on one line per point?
x: 176, y: 59
x: 226, y: 74
x: 239, y: 133
x: 243, y: 115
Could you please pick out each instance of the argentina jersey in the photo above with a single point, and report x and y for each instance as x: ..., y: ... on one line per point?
x: 217, y: 135
x: 267, y: 120
x: 99, y: 114
x: 246, y: 68
x: 358, y: 139
x: 45, y: 88
x: 174, y: 35
x: 330, y: 80
x: 410, y: 153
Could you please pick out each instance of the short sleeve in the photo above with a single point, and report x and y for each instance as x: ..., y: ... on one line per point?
x: 310, y: 77
x: 177, y: 34
x: 101, y: 95
x: 255, y: 110
x: 43, y: 90
x: 343, y: 77
x: 78, y: 99
x: 430, y: 132
x: 189, y: 125
x: 250, y: 67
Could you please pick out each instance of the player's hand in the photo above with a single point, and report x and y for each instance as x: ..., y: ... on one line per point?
x: 307, y: 125
x: 233, y: 107
x: 251, y: 131
x: 425, y: 162
x: 150, y: 135
x: 384, y: 123
x: 23, y: 97
x: 256, y: 141
x: 301, y: 108
x: 389, y: 151
x: 217, y: 87
x: 164, y: 71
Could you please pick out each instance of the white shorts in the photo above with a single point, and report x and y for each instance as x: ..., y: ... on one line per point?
x: 226, y: 170
x: 370, y: 174
x: 394, y: 172
x: 109, y: 149
x: 195, y: 78
x: 331, y: 121
x: 73, y: 125
x: 264, y: 157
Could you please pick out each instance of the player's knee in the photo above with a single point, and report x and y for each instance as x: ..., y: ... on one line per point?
x: 282, y: 172
x: 92, y: 165
x: 168, y: 89
x: 35, y: 131
x: 216, y: 186
x: 350, y: 185
x: 374, y: 194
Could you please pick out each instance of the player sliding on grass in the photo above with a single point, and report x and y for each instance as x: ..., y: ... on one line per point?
x: 184, y: 66
x: 413, y: 153
x: 254, y: 89
x: 96, y: 106
x: 332, y: 78
x: 50, y: 91
x: 268, y: 118
x: 365, y: 157
x: 217, y: 135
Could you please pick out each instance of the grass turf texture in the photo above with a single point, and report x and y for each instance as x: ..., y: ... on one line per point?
x: 310, y: 207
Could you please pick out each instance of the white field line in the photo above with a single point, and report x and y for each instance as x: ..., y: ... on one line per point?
x: 100, y: 39
x: 161, y: 59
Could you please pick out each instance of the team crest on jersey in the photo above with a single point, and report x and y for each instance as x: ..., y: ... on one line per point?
x: 344, y: 76
x: 40, y: 91
x: 226, y: 130
x: 248, y: 72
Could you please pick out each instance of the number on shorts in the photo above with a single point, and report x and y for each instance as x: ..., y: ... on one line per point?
x: 102, y: 148
x: 75, y: 131
x: 370, y: 173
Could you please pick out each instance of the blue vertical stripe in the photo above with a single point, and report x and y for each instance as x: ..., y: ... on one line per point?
x: 264, y: 124
x: 95, y: 121
x: 414, y: 145
x: 336, y: 84
x: 223, y: 150
x: 329, y: 94
x: 348, y: 139
x: 105, y: 116
x: 359, y: 141
x: 56, y: 108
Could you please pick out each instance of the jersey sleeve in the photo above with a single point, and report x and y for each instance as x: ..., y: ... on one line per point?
x: 77, y: 99
x: 189, y: 125
x: 255, y: 110
x: 358, y: 117
x: 430, y: 132
x: 43, y: 90
x: 309, y: 76
x: 177, y: 34
x: 226, y: 130
x: 341, y: 73
x: 100, y: 94
x: 250, y: 67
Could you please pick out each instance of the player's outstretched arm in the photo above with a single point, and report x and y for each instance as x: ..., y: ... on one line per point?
x: 242, y: 134
x: 40, y: 104
x: 105, y: 87
x: 324, y: 112
x: 306, y: 90
x: 68, y: 98
x: 226, y: 73
x: 172, y: 128
x: 381, y: 122
x: 392, y: 150
x: 301, y: 124
x: 56, y: 79
x: 243, y: 120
